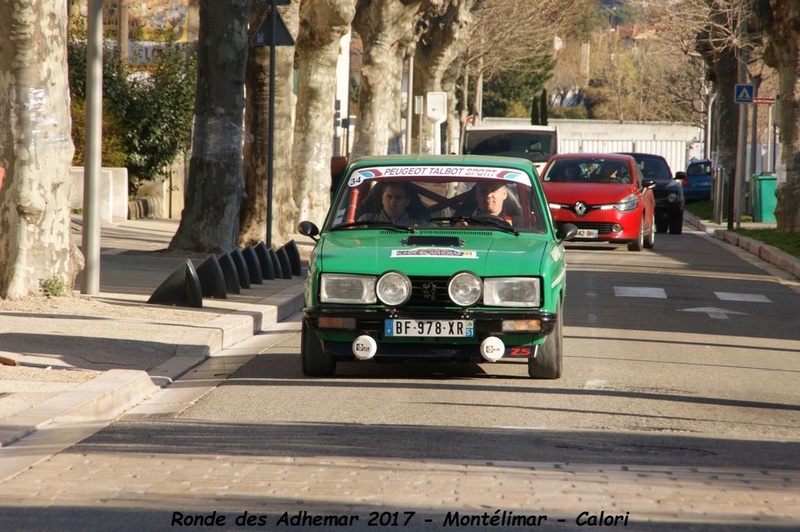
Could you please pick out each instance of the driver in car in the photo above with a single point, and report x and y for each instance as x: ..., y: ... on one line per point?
x: 395, y: 200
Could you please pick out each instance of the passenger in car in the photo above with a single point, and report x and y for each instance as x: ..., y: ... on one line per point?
x: 491, y: 201
x: 572, y: 173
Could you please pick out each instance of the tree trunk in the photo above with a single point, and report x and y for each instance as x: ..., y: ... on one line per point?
x: 324, y: 23
x: 256, y: 148
x: 385, y: 27
x: 780, y: 20
x: 725, y: 66
x: 442, y: 43
x: 35, y: 149
x: 215, y: 188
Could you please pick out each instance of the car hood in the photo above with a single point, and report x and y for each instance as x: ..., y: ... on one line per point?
x: 666, y: 187
x: 375, y: 252
x: 594, y: 193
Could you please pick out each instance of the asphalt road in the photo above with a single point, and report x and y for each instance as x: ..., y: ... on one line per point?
x: 678, y: 408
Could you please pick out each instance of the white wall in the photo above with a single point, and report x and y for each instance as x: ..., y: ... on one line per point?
x: 113, y: 190
x: 671, y: 140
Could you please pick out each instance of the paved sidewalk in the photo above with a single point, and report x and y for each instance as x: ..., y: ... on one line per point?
x: 96, y: 362
x: 91, y: 358
x: 770, y: 254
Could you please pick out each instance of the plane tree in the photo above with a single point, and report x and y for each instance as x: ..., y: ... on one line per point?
x: 35, y: 150
x: 780, y: 23
x: 323, y: 25
x: 215, y: 187
x: 256, y: 146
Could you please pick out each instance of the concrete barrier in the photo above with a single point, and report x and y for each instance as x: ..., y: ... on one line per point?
x: 113, y: 191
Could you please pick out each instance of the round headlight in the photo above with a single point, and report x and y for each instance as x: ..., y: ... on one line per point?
x: 464, y: 289
x: 393, y: 289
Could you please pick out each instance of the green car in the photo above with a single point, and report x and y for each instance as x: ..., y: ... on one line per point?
x: 436, y: 257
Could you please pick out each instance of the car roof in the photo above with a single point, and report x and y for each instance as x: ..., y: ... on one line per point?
x: 638, y: 155
x: 457, y: 160
x: 611, y: 156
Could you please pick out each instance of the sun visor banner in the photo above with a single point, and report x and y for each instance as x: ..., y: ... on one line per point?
x: 428, y: 172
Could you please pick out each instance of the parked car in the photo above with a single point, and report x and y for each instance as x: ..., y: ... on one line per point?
x: 472, y: 269
x: 668, y: 192
x: 696, y: 180
x: 605, y: 195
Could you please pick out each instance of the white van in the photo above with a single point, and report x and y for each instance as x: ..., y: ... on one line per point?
x: 536, y: 143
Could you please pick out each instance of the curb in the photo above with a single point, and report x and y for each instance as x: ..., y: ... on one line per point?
x: 115, y: 391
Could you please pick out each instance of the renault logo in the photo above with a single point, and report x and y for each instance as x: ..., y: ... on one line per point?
x: 580, y: 208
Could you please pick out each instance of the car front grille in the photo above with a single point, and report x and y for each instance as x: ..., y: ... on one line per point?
x: 429, y: 292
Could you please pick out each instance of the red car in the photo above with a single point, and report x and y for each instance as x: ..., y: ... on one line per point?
x: 604, y: 195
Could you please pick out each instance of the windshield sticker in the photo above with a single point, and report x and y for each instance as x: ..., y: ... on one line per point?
x: 435, y: 252
x: 488, y: 172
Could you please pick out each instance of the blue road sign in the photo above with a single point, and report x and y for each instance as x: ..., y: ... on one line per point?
x: 743, y: 93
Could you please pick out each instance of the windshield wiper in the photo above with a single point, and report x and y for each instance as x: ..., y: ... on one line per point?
x: 374, y: 223
x: 490, y: 221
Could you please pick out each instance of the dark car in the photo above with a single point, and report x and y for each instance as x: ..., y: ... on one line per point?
x: 605, y: 195
x: 697, y: 180
x: 668, y: 192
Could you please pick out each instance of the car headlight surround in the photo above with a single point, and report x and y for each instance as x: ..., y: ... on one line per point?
x: 464, y: 288
x: 347, y: 288
x: 512, y: 292
x: 627, y: 204
x: 393, y: 288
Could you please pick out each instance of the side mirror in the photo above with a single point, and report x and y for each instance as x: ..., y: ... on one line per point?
x: 308, y: 229
x: 566, y: 232
x: 648, y: 183
x: 680, y: 176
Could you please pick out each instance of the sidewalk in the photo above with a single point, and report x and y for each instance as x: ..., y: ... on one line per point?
x: 88, y: 358
x: 770, y: 254
x: 92, y: 358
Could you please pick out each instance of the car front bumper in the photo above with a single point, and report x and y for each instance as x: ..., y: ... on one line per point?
x: 338, y: 327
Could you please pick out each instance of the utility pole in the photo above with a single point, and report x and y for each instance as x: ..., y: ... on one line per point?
x: 122, y: 32
x: 90, y: 236
x: 741, y: 144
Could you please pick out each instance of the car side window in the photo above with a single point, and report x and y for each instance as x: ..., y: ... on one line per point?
x: 638, y: 176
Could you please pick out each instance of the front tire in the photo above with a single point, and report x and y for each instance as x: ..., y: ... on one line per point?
x: 548, y: 361
x: 638, y: 244
x: 676, y: 223
x: 316, y: 362
x: 650, y: 239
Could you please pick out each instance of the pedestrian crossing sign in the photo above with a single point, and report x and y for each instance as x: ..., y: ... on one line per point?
x: 743, y: 93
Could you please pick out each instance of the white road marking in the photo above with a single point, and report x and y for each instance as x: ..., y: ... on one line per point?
x: 713, y: 312
x: 750, y: 298
x: 640, y: 291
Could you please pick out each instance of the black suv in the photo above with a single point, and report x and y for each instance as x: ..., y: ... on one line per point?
x: 668, y: 192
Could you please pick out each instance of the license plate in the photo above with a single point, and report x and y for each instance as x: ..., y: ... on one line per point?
x: 450, y: 328
x: 587, y: 233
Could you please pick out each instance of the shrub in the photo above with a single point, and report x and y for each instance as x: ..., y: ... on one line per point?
x: 147, y: 111
x: 53, y: 287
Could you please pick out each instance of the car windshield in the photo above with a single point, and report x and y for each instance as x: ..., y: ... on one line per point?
x: 654, y: 168
x: 588, y: 170
x: 700, y: 168
x: 536, y: 146
x: 407, y: 198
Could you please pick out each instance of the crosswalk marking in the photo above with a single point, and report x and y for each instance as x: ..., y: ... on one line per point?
x: 640, y: 291
x: 660, y: 293
x: 750, y: 298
